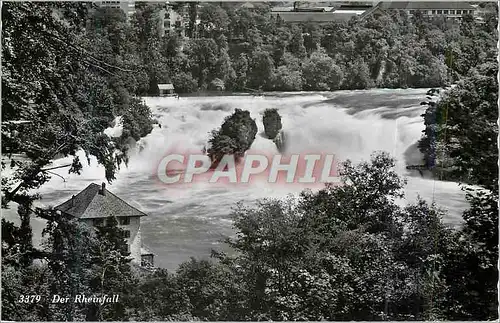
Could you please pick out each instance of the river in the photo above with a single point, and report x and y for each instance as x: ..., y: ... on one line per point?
x: 185, y: 222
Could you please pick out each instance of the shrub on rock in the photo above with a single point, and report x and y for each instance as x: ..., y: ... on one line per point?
x: 235, y: 136
x: 272, y: 123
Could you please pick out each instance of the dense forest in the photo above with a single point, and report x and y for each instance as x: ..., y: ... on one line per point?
x: 240, y: 49
x: 345, y: 252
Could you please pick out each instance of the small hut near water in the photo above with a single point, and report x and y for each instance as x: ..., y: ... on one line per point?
x: 167, y: 89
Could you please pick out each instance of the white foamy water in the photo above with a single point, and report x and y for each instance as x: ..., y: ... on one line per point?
x: 189, y: 221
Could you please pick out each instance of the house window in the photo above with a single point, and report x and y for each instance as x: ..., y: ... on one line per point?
x: 125, y: 221
x: 412, y: 12
x: 459, y: 12
x: 440, y: 12
x: 126, y: 234
x: 98, y: 222
x: 433, y: 12
x: 126, y: 248
x: 452, y: 12
x: 445, y: 12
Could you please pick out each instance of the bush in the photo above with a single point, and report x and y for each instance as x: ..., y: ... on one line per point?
x: 287, y: 80
x: 184, y: 83
x: 321, y: 73
x: 137, y: 120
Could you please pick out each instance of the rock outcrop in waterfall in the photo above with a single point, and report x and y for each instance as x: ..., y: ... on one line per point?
x: 272, y: 123
x: 280, y: 141
x: 273, y: 128
x: 234, y: 137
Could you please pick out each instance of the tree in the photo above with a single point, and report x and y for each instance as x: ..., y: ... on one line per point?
x: 214, y: 21
x: 193, y: 14
x: 240, y: 66
x: 60, y: 94
x: 469, y: 144
x: 357, y: 75
x: 160, y: 296
x: 45, y: 112
x: 224, y: 67
x: 69, y: 245
x: 261, y: 70
x: 461, y: 129
x: 241, y: 21
x: 344, y: 252
x: 282, y: 37
x: 113, y: 274
x: 312, y: 37
x: 287, y: 80
x: 147, y: 39
x: 319, y: 72
x: 202, y: 54
x: 184, y: 83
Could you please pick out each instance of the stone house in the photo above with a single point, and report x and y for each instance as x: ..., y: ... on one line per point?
x: 95, y: 204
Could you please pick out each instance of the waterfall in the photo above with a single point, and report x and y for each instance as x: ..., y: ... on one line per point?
x: 188, y: 221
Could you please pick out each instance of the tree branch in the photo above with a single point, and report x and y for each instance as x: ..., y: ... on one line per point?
x: 10, y: 196
x: 81, y: 50
x: 55, y: 167
x: 64, y: 180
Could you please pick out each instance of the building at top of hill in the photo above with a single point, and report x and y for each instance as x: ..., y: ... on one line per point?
x: 320, y: 13
x: 447, y: 9
x: 128, y: 7
x: 300, y: 12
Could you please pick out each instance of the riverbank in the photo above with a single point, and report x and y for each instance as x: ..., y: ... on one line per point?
x: 282, y: 94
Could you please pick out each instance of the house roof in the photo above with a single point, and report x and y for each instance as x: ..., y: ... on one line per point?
x: 351, y: 12
x: 281, y: 9
x: 168, y: 86
x: 355, y: 7
x: 427, y: 5
x: 91, y: 204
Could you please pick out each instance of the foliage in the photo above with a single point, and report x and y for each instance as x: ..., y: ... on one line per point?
x: 463, y: 121
x: 77, y: 260
x: 235, y: 136
x: 184, y: 83
x: 248, y: 48
x: 62, y: 85
x: 287, y: 79
x: 136, y: 120
x: 460, y: 138
x: 345, y: 252
x: 113, y: 274
x: 320, y: 72
x: 64, y: 95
